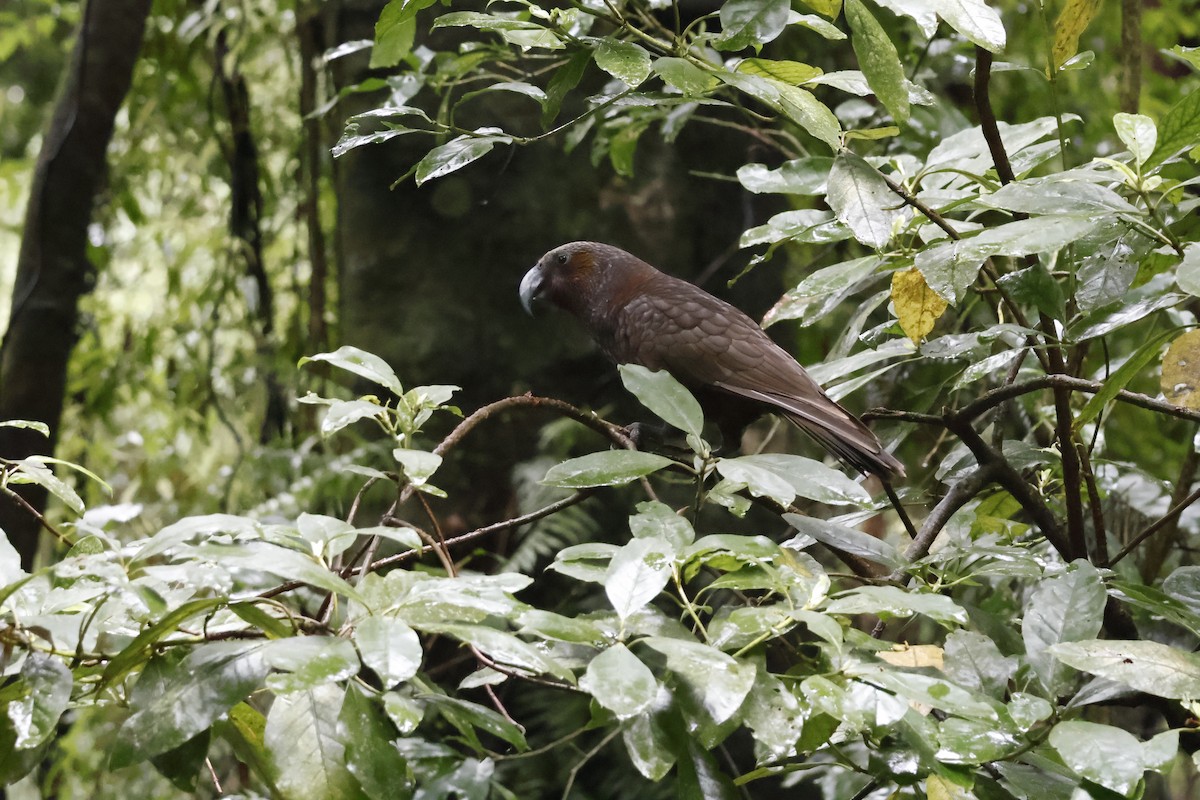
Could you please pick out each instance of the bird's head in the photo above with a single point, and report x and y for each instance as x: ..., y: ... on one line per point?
x: 578, y: 276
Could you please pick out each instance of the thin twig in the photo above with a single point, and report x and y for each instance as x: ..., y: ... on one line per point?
x: 495, y: 527
x: 1157, y: 525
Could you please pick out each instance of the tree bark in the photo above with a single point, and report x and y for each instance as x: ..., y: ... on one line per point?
x: 53, y: 270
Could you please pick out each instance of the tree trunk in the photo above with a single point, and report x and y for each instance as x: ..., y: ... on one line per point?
x: 53, y: 270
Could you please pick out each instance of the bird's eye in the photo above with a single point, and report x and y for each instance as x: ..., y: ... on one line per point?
x: 562, y: 258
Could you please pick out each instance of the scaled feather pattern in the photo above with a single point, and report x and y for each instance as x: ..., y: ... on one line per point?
x: 639, y: 315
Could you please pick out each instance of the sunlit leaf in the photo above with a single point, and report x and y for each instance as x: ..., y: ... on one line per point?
x: 620, y: 682
x: 860, y: 197
x: 1072, y: 21
x: 637, y: 573
x: 458, y: 153
x: 390, y: 648
x: 878, y: 59
x: 186, y: 697
x: 917, y: 306
x: 751, y: 23
x: 361, y: 363
x: 306, y: 752
x: 610, y: 468
x: 625, y: 61
x: 1138, y: 133
x: 1179, y: 129
x: 665, y: 396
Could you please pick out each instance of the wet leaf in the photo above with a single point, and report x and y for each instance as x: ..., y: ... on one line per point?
x: 917, y: 306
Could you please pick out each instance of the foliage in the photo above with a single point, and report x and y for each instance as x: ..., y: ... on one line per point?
x: 1033, y: 273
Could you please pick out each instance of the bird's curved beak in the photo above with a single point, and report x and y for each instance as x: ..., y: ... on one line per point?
x: 531, y: 288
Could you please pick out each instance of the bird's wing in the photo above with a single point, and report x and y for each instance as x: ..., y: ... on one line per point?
x: 705, y: 342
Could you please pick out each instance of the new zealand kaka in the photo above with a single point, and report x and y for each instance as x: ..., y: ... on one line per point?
x: 639, y: 315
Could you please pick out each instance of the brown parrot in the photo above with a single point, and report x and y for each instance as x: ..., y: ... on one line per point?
x: 639, y: 315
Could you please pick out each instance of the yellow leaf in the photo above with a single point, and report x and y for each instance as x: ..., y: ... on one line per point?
x: 1072, y: 21
x: 793, y: 72
x: 826, y: 8
x: 917, y: 306
x: 913, y: 655
x: 1181, y: 371
x: 938, y: 788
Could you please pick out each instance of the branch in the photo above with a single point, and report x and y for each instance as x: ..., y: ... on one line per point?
x: 495, y: 527
x: 1004, y: 393
x: 1158, y: 525
x: 957, y: 497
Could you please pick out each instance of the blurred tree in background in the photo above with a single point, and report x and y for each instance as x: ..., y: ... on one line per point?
x: 981, y: 219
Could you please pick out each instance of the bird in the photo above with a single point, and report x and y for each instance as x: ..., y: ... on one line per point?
x: 640, y: 315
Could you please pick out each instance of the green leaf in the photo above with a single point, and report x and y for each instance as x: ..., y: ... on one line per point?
x: 878, y: 59
x: 797, y: 104
x: 975, y: 20
x: 891, y: 601
x: 625, y: 61
x: 506, y: 649
x: 562, y: 82
x: 620, y: 682
x: 759, y: 481
x: 309, y: 662
x: 800, y: 176
x: 637, y: 573
x: 1035, y: 286
x: 721, y: 680
x: 649, y: 746
x: 371, y: 758
x: 860, y: 197
x: 394, y: 32
x: 656, y: 519
x: 793, y: 72
x: 464, y: 715
x: 974, y: 661
x: 1168, y: 602
x: 1150, y: 351
x: 34, y: 470
x: 751, y: 23
x: 458, y: 153
x: 243, y: 730
x: 826, y: 286
x: 1065, y: 608
x: 930, y: 690
x: 847, y: 539
x: 418, y: 465
x: 306, y: 751
x: 1052, y: 194
x: 1106, y: 755
x: 44, y: 693
x: 390, y: 648
x: 950, y: 267
x: 610, y: 468
x: 1138, y: 133
x: 181, y: 765
x: 1180, y: 128
x: 665, y: 396
x: 361, y: 363
x: 685, y: 76
x: 817, y: 25
x: 549, y: 625
x: 1144, y: 665
x: 282, y: 562
x: 346, y: 412
x: 32, y: 425
x: 576, y: 561
x: 186, y: 697
x: 140, y: 649
x: 1187, y: 274
x: 802, y: 108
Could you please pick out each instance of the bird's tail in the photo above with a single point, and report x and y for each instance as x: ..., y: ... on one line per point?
x: 854, y: 444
